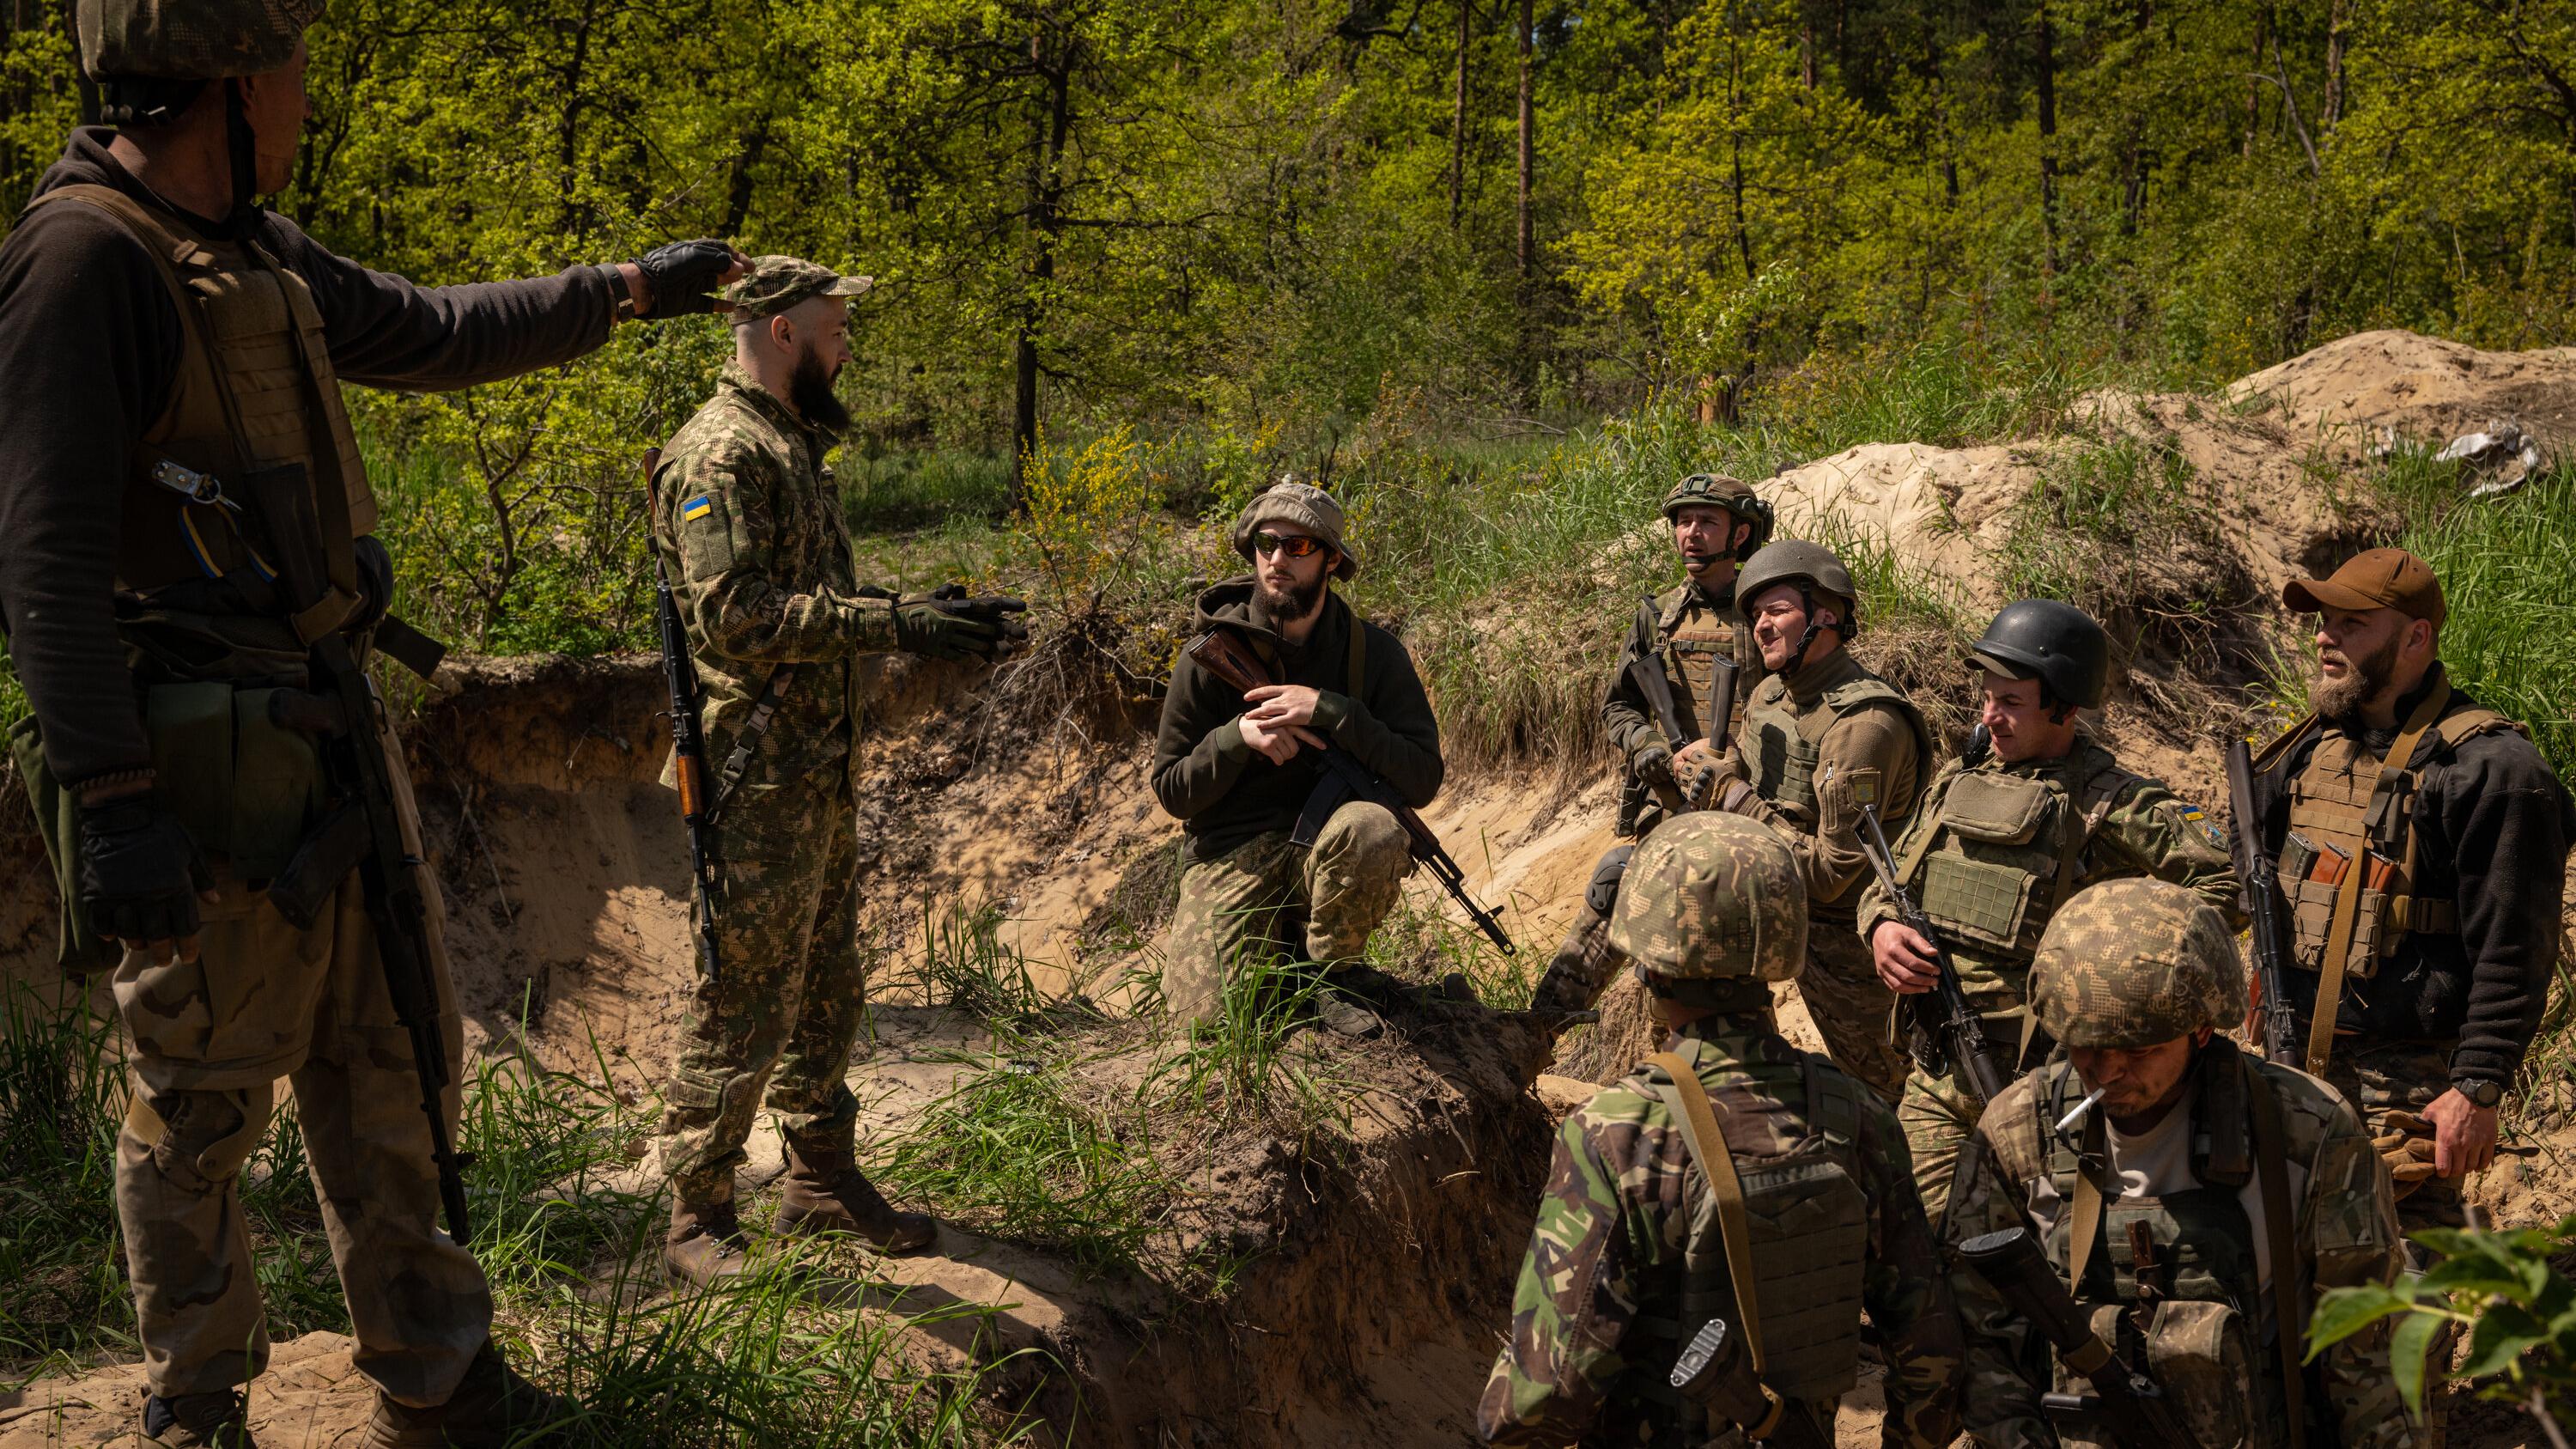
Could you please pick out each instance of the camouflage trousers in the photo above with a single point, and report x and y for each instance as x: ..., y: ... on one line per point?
x: 208, y: 1040
x: 1937, y: 1115
x: 1853, y: 1010
x: 1258, y: 899
x: 2389, y: 1084
x: 778, y: 1019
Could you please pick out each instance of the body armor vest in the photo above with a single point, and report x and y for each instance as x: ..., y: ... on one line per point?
x: 1697, y: 637
x: 2348, y: 812
x: 1810, y: 1220
x: 2193, y: 1308
x: 2007, y: 847
x: 253, y: 391
x: 1781, y: 744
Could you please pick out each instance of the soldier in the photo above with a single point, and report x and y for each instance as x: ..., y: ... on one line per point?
x: 2005, y: 835
x: 750, y: 531
x: 1717, y: 523
x: 1822, y: 738
x: 1237, y: 769
x: 1787, y: 1210
x: 177, y: 472
x: 2208, y: 1197
x: 2436, y: 953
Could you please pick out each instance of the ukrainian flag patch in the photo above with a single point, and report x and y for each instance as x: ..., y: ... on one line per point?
x: 696, y: 508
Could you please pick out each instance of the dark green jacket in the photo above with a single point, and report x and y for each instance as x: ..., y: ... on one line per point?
x: 1224, y: 792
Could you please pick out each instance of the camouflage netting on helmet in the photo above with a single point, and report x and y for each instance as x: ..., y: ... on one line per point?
x: 189, y: 39
x: 1712, y: 896
x: 2133, y: 963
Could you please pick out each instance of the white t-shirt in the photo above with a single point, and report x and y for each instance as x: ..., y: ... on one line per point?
x: 2156, y: 1163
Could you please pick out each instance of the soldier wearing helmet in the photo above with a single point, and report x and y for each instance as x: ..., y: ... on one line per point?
x: 177, y: 475
x: 1823, y: 739
x: 1717, y: 522
x: 2005, y: 836
x: 1640, y: 1242
x: 2207, y: 1197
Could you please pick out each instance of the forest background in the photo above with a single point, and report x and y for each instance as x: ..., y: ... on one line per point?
x: 1226, y: 237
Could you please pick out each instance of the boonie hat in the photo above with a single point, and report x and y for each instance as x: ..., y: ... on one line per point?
x: 775, y: 284
x: 1308, y: 507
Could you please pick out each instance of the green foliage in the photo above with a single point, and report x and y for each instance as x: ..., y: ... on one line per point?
x: 2516, y: 1305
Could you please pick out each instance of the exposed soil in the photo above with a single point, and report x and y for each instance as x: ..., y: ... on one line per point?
x: 1382, y: 1288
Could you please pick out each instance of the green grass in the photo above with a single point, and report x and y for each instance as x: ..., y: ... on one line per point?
x: 1248, y: 1062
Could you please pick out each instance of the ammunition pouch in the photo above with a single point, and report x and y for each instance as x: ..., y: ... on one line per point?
x: 2200, y: 1355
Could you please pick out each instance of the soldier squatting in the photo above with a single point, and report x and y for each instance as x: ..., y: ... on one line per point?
x: 236, y: 842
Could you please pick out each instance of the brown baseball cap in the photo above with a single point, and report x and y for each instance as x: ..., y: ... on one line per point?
x: 2384, y: 578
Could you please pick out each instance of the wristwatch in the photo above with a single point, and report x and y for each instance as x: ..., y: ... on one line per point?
x: 2480, y: 1093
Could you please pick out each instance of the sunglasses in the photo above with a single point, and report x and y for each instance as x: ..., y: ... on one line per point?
x: 1295, y: 546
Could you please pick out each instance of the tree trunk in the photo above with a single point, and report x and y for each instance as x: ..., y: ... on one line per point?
x: 2047, y: 59
x: 1458, y: 126
x: 738, y: 195
x: 1735, y: 155
x: 1046, y: 227
x: 2337, y: 21
x: 1525, y: 256
x: 2253, y: 78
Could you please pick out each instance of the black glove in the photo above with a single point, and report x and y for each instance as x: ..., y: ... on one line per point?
x: 139, y: 871
x: 1653, y: 763
x: 947, y: 624
x: 681, y: 275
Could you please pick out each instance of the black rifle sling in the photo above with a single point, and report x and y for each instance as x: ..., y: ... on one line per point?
x: 2289, y: 1305
x: 746, y: 741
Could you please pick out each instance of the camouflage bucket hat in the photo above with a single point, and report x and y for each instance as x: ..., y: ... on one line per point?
x: 1711, y: 896
x: 776, y: 283
x: 189, y: 39
x: 1308, y: 507
x: 2132, y: 963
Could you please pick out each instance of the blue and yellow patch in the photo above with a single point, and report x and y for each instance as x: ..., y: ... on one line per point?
x: 696, y: 508
x: 2192, y: 815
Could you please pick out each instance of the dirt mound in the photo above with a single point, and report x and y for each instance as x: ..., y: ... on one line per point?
x: 2348, y: 395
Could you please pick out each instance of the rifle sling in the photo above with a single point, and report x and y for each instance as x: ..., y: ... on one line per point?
x: 2087, y: 1222
x: 2347, y: 906
x: 746, y: 741
x: 2289, y: 1307
x: 1689, y: 1104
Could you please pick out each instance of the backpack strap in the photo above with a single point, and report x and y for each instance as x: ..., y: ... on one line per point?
x: 1688, y: 1102
x: 1357, y: 675
x: 2086, y: 1225
x: 2347, y: 906
x: 2088, y: 805
x: 2289, y: 1301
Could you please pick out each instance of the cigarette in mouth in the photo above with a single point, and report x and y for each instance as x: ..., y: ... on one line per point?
x: 2077, y: 1114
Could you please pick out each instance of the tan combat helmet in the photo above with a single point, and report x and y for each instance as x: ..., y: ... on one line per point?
x: 189, y: 40
x: 1710, y: 896
x: 1720, y: 490
x: 2135, y: 963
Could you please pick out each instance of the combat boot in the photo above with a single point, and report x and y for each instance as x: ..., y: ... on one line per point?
x: 219, y: 1420
x: 826, y: 1193
x: 492, y: 1408
x: 705, y: 1243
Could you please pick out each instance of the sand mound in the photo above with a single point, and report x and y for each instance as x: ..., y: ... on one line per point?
x: 2344, y: 394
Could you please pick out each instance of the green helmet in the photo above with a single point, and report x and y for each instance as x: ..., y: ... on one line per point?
x: 1815, y: 569
x: 189, y: 40
x: 1717, y: 490
x: 1712, y: 896
x: 2132, y: 963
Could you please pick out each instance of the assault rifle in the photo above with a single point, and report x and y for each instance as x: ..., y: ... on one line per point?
x: 1942, y: 1014
x: 346, y: 720
x: 1221, y: 653
x: 1716, y: 1373
x: 688, y: 739
x: 1646, y: 671
x: 2262, y: 881
x: 2125, y: 1403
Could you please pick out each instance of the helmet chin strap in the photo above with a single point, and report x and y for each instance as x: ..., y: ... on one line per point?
x: 243, y: 148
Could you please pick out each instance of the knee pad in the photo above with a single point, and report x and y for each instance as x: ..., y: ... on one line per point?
x: 1603, y: 891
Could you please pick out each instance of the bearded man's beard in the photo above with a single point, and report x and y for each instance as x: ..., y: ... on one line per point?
x: 1294, y: 602
x: 2341, y: 699
x: 809, y: 388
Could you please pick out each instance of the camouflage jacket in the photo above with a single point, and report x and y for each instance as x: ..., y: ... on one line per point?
x: 1684, y: 612
x: 1606, y: 1254
x: 2139, y: 828
x: 1876, y: 753
x: 748, y: 524
x: 2344, y: 1232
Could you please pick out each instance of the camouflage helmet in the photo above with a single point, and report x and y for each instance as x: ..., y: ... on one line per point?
x: 1718, y: 490
x: 189, y: 40
x: 1712, y: 896
x: 2134, y: 963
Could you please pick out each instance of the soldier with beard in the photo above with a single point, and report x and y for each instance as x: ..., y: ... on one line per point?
x: 750, y: 529
x: 1236, y: 769
x: 2422, y: 842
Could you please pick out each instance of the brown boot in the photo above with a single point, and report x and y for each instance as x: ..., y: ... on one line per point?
x: 705, y: 1243
x: 491, y: 1409
x: 826, y: 1193
x: 219, y: 1420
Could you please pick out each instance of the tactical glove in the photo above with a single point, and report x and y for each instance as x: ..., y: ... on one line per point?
x: 682, y: 274
x: 1653, y: 763
x: 946, y: 624
x: 139, y: 871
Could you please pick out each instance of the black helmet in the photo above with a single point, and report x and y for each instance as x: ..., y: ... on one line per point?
x: 1717, y: 490
x: 2056, y: 643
